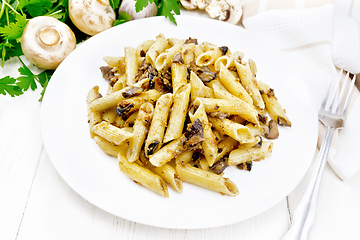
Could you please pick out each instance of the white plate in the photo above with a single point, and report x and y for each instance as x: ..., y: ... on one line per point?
x: 96, y: 176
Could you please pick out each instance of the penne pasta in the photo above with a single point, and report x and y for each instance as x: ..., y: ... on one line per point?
x: 178, y: 114
x: 169, y: 174
x: 209, y: 57
x: 276, y: 111
x: 111, y: 133
x: 209, y: 145
x: 206, y: 179
x: 178, y: 75
x: 235, y: 130
x: 165, y: 58
x: 94, y: 117
x: 243, y: 155
x: 143, y: 176
x: 155, y: 137
x: 168, y: 152
x: 159, y: 45
x: 233, y: 85
x: 141, y: 127
x: 247, y: 80
x: 131, y: 67
x: 230, y: 107
x: 114, y: 98
x: 109, y: 148
x: 176, y: 111
x: 198, y: 88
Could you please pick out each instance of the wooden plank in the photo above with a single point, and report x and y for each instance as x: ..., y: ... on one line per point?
x: 20, y: 148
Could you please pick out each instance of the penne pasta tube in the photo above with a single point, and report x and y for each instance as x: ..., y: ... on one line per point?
x: 226, y: 60
x: 209, y: 145
x: 143, y: 48
x: 168, y: 152
x: 159, y: 45
x: 247, y: 80
x: 109, y: 115
x: 178, y: 114
x: 257, y: 130
x: 169, y: 174
x: 206, y: 179
x: 165, y: 58
x: 111, y: 133
x: 131, y: 67
x: 114, y: 98
x: 130, y: 105
x: 233, y: 129
x: 109, y: 148
x: 178, y: 75
x: 198, y: 89
x: 221, y: 92
x: 116, y: 62
x: 209, y: 57
x: 233, y: 85
x: 141, y: 127
x: 155, y: 137
x: 120, y: 84
x: 94, y: 117
x: 143, y: 176
x: 225, y: 146
x: 276, y: 111
x: 242, y: 155
x: 188, y: 52
x: 184, y: 157
x: 231, y: 107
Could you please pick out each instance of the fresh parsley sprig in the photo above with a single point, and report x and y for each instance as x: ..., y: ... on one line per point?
x: 14, y: 15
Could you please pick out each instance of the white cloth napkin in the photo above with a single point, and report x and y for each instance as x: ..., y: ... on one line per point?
x: 317, y: 35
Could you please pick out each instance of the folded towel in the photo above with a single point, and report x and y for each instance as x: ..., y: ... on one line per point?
x: 318, y: 36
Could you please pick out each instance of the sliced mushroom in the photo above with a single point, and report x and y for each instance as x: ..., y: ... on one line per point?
x: 273, y: 132
x: 91, y: 16
x: 202, y: 4
x: 220, y: 166
x: 189, y: 4
x: 245, y: 166
x: 226, y: 10
x: 235, y: 11
x: 46, y: 42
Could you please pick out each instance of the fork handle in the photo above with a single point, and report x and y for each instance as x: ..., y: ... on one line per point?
x: 304, y: 213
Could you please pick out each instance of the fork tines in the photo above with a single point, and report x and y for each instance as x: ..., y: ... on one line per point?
x: 346, y: 82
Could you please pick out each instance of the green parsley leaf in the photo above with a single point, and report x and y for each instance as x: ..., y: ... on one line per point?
x: 168, y: 8
x: 141, y: 4
x: 15, y: 29
x: 35, y: 7
x: 115, y: 4
x: 122, y: 18
x: 27, y: 79
x: 44, y: 77
x: 7, y: 86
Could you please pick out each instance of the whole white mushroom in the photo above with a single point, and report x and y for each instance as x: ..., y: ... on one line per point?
x: 46, y: 42
x: 91, y: 16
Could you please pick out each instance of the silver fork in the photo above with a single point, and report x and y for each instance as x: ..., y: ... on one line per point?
x: 332, y: 115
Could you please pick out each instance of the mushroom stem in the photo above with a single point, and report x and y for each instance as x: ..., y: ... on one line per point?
x: 49, y: 36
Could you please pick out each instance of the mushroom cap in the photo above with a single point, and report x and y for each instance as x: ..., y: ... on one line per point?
x: 46, y: 42
x: 91, y: 16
